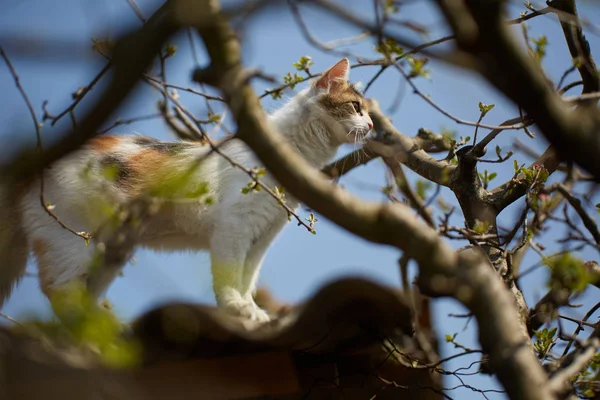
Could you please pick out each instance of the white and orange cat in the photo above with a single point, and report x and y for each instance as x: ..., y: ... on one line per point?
x: 236, y: 228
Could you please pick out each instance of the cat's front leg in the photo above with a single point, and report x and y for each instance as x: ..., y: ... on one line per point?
x: 254, y: 258
x: 229, y: 250
x: 228, y: 292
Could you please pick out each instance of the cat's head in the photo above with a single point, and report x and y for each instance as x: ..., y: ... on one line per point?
x: 343, y: 102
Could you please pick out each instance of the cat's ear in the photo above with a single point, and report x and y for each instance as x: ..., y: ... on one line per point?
x: 338, y: 73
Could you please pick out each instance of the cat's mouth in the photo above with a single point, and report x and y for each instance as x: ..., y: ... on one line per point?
x: 358, y: 135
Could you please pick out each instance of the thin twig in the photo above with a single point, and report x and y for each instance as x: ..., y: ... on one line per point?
x: 447, y: 113
x: 413, y: 199
x: 534, y: 13
x: 85, y: 90
x: 588, y: 221
x: 11, y: 319
x: 190, y: 90
x: 137, y: 10
x: 39, y: 146
x: 385, y: 63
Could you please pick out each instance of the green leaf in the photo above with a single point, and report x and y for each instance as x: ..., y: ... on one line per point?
x: 390, y: 7
x: 277, y: 94
x: 85, y: 324
x: 568, y: 272
x: 449, y: 338
x: 103, y: 46
x: 170, y: 50
x: 389, y: 46
x: 417, y: 65
x: 213, y: 117
x: 304, y: 63
x: 539, y: 49
x: 311, y: 218
x: 279, y: 193
x: 485, y: 108
x: 545, y: 341
x: 252, y: 186
x: 481, y: 227
x: 595, y: 364
x: 292, y: 80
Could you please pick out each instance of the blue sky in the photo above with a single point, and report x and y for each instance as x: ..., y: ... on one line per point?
x: 298, y: 262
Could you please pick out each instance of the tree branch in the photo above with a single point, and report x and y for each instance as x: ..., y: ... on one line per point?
x: 578, y: 45
x: 391, y: 143
x: 574, y: 363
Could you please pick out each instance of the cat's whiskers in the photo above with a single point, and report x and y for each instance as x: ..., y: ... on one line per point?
x: 354, y: 131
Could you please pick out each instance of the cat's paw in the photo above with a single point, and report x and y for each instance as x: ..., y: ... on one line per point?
x: 246, y: 309
x: 261, y: 315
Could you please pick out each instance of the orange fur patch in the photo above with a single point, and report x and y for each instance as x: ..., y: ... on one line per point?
x: 146, y: 165
x: 145, y: 161
x: 338, y: 100
x: 104, y: 143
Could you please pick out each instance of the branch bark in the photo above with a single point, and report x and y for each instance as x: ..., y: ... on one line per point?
x: 391, y: 143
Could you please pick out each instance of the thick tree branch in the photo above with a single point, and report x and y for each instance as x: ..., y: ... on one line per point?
x: 350, y: 161
x: 467, y: 278
x: 578, y: 45
x: 425, y: 140
x: 391, y: 143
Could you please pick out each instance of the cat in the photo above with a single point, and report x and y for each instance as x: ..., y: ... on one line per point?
x: 236, y: 228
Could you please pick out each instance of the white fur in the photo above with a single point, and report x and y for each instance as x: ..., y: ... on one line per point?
x: 237, y: 229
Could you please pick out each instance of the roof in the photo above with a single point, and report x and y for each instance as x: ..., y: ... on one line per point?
x: 345, y: 340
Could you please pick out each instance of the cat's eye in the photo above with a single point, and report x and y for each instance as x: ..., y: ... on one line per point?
x: 356, y: 106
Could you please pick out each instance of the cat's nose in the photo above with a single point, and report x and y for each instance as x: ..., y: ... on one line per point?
x: 370, y: 125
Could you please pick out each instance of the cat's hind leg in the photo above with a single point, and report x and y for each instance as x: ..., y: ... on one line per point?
x: 62, y: 257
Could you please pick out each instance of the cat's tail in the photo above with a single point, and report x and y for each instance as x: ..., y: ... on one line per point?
x: 13, y: 241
